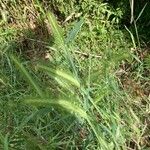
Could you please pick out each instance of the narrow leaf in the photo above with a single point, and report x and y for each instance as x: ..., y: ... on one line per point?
x: 56, y: 30
x: 6, y: 142
x: 73, y: 33
x: 141, y: 12
x: 27, y: 75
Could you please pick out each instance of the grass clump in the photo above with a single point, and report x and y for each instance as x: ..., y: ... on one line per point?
x: 71, y: 79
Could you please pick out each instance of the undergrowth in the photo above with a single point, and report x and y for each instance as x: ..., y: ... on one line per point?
x: 72, y: 76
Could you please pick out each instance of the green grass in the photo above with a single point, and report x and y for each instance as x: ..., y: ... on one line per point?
x: 72, y: 78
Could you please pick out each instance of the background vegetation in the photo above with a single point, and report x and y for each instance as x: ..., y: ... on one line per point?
x: 74, y: 75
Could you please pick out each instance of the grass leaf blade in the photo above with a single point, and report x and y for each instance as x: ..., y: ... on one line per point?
x: 27, y: 75
x: 73, y: 33
x: 55, y: 29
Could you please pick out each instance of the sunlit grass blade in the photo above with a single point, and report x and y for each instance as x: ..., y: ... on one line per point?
x: 2, y: 81
x: 59, y: 40
x: 27, y: 75
x: 4, y: 141
x: 57, y: 72
x: 6, y: 147
x: 56, y: 30
x: 141, y: 12
x: 132, y: 37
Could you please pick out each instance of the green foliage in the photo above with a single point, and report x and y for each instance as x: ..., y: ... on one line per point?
x: 81, y: 86
x: 28, y: 76
x: 55, y: 29
x: 73, y: 33
x: 58, y: 73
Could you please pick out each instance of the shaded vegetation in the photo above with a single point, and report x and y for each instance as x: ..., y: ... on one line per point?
x: 74, y: 75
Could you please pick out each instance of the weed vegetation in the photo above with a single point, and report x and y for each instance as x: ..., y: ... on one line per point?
x: 74, y: 75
